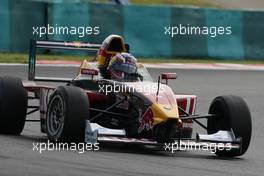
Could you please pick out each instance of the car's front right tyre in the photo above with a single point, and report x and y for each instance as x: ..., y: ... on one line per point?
x: 67, y: 111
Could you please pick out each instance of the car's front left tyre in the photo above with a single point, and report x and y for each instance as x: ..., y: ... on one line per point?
x: 231, y: 113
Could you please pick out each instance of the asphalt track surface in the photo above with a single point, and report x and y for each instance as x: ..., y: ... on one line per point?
x: 18, y: 158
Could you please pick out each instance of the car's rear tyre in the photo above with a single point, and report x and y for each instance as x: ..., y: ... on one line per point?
x: 13, y: 105
x: 67, y: 111
x: 233, y: 113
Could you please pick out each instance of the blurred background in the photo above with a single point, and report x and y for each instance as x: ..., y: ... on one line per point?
x: 142, y: 23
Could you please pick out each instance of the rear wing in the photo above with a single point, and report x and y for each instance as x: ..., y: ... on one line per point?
x: 35, y: 44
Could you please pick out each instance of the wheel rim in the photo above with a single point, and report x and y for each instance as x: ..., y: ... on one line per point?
x: 56, y: 116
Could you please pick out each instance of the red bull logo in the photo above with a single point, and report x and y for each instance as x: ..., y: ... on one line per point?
x: 146, y: 121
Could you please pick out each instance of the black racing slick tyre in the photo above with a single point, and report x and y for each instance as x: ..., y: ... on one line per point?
x: 233, y: 113
x: 13, y: 105
x: 67, y: 111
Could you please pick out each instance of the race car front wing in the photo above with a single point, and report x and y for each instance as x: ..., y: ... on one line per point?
x: 226, y: 140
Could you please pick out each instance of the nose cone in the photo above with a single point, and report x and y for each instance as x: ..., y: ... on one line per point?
x: 163, y: 103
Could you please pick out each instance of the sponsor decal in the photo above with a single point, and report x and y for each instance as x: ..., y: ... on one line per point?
x: 168, y: 107
x: 146, y: 121
x: 89, y: 71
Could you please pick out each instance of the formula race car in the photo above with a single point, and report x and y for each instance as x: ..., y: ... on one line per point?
x: 137, y: 110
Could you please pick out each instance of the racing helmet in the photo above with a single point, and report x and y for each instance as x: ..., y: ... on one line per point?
x: 122, y: 65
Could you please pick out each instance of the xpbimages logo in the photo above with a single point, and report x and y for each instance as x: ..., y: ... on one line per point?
x: 58, y: 146
x: 80, y: 31
x: 146, y: 89
x: 193, y: 146
x: 212, y: 31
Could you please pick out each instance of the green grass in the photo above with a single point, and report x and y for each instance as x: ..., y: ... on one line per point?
x: 200, y: 3
x: 23, y: 58
x: 198, y: 60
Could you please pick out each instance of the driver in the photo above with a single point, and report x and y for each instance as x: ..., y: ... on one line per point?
x: 122, y: 65
x: 105, y: 59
